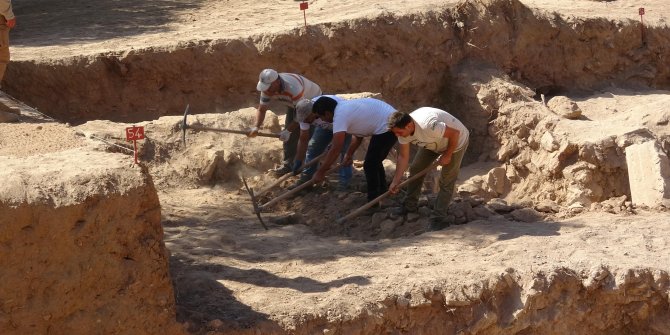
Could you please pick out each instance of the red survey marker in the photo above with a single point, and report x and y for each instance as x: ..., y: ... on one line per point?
x: 303, y: 7
x: 133, y: 134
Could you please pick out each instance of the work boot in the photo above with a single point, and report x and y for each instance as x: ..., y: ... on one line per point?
x: 372, y: 210
x: 440, y: 222
x: 403, y: 211
x: 282, y: 170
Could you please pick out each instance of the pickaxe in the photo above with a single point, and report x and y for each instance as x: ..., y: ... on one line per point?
x: 253, y: 196
x: 253, y: 200
x: 386, y: 194
x: 184, y: 126
x: 258, y: 208
x: 289, y: 193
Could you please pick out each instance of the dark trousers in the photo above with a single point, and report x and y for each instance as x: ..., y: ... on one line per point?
x: 379, y: 148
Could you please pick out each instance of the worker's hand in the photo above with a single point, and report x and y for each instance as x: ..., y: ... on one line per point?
x: 318, y: 177
x: 11, y: 23
x: 284, y: 135
x: 253, y: 132
x: 393, y: 188
x: 347, y: 160
x: 296, y: 167
x: 445, y: 159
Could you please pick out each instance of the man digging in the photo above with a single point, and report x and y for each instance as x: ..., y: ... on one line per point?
x: 439, y: 135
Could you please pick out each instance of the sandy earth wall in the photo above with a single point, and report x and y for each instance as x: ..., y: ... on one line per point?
x: 556, y: 303
x: 81, y: 247
x: 407, y: 59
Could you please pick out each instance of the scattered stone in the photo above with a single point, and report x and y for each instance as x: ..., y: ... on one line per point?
x: 547, y: 206
x: 576, y: 208
x: 527, y: 215
x: 648, y: 173
x: 499, y: 205
x: 387, y: 226
x: 496, y: 180
x: 483, y: 212
x: 548, y: 142
x: 565, y: 107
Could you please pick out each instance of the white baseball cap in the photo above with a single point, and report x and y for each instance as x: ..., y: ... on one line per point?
x: 267, y: 77
x: 302, y: 109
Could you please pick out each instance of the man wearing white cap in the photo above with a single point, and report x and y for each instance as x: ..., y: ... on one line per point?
x: 315, y: 135
x: 286, y: 89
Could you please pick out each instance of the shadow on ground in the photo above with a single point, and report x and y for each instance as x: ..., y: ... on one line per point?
x: 41, y: 23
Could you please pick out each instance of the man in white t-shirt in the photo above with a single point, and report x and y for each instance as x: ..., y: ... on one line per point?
x: 360, y: 118
x: 438, y: 134
x: 315, y: 135
x: 286, y: 89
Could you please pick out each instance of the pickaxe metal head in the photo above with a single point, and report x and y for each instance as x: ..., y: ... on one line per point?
x: 184, y: 126
x: 257, y: 210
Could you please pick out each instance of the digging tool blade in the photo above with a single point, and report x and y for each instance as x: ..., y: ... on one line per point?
x: 290, y: 174
x: 257, y: 210
x: 290, y: 193
x: 184, y: 125
x: 386, y: 194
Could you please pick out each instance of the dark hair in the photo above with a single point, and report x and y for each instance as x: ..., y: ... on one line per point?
x: 324, y: 104
x: 398, y: 120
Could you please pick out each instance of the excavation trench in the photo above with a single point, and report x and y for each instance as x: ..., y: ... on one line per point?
x: 534, y: 180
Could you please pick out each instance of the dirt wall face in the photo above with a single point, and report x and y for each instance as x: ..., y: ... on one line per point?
x: 557, y: 303
x: 82, y: 247
x: 407, y: 59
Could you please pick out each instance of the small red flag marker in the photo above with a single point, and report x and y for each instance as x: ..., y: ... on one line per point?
x: 133, y: 134
x: 303, y: 7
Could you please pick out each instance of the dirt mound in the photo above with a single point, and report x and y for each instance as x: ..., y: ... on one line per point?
x: 82, y: 246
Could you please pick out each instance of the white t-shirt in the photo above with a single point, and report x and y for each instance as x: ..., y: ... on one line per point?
x: 319, y: 122
x: 362, y: 117
x: 430, y: 126
x: 294, y: 87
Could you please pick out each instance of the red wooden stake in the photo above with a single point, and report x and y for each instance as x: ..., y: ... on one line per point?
x: 133, y: 134
x: 303, y: 8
